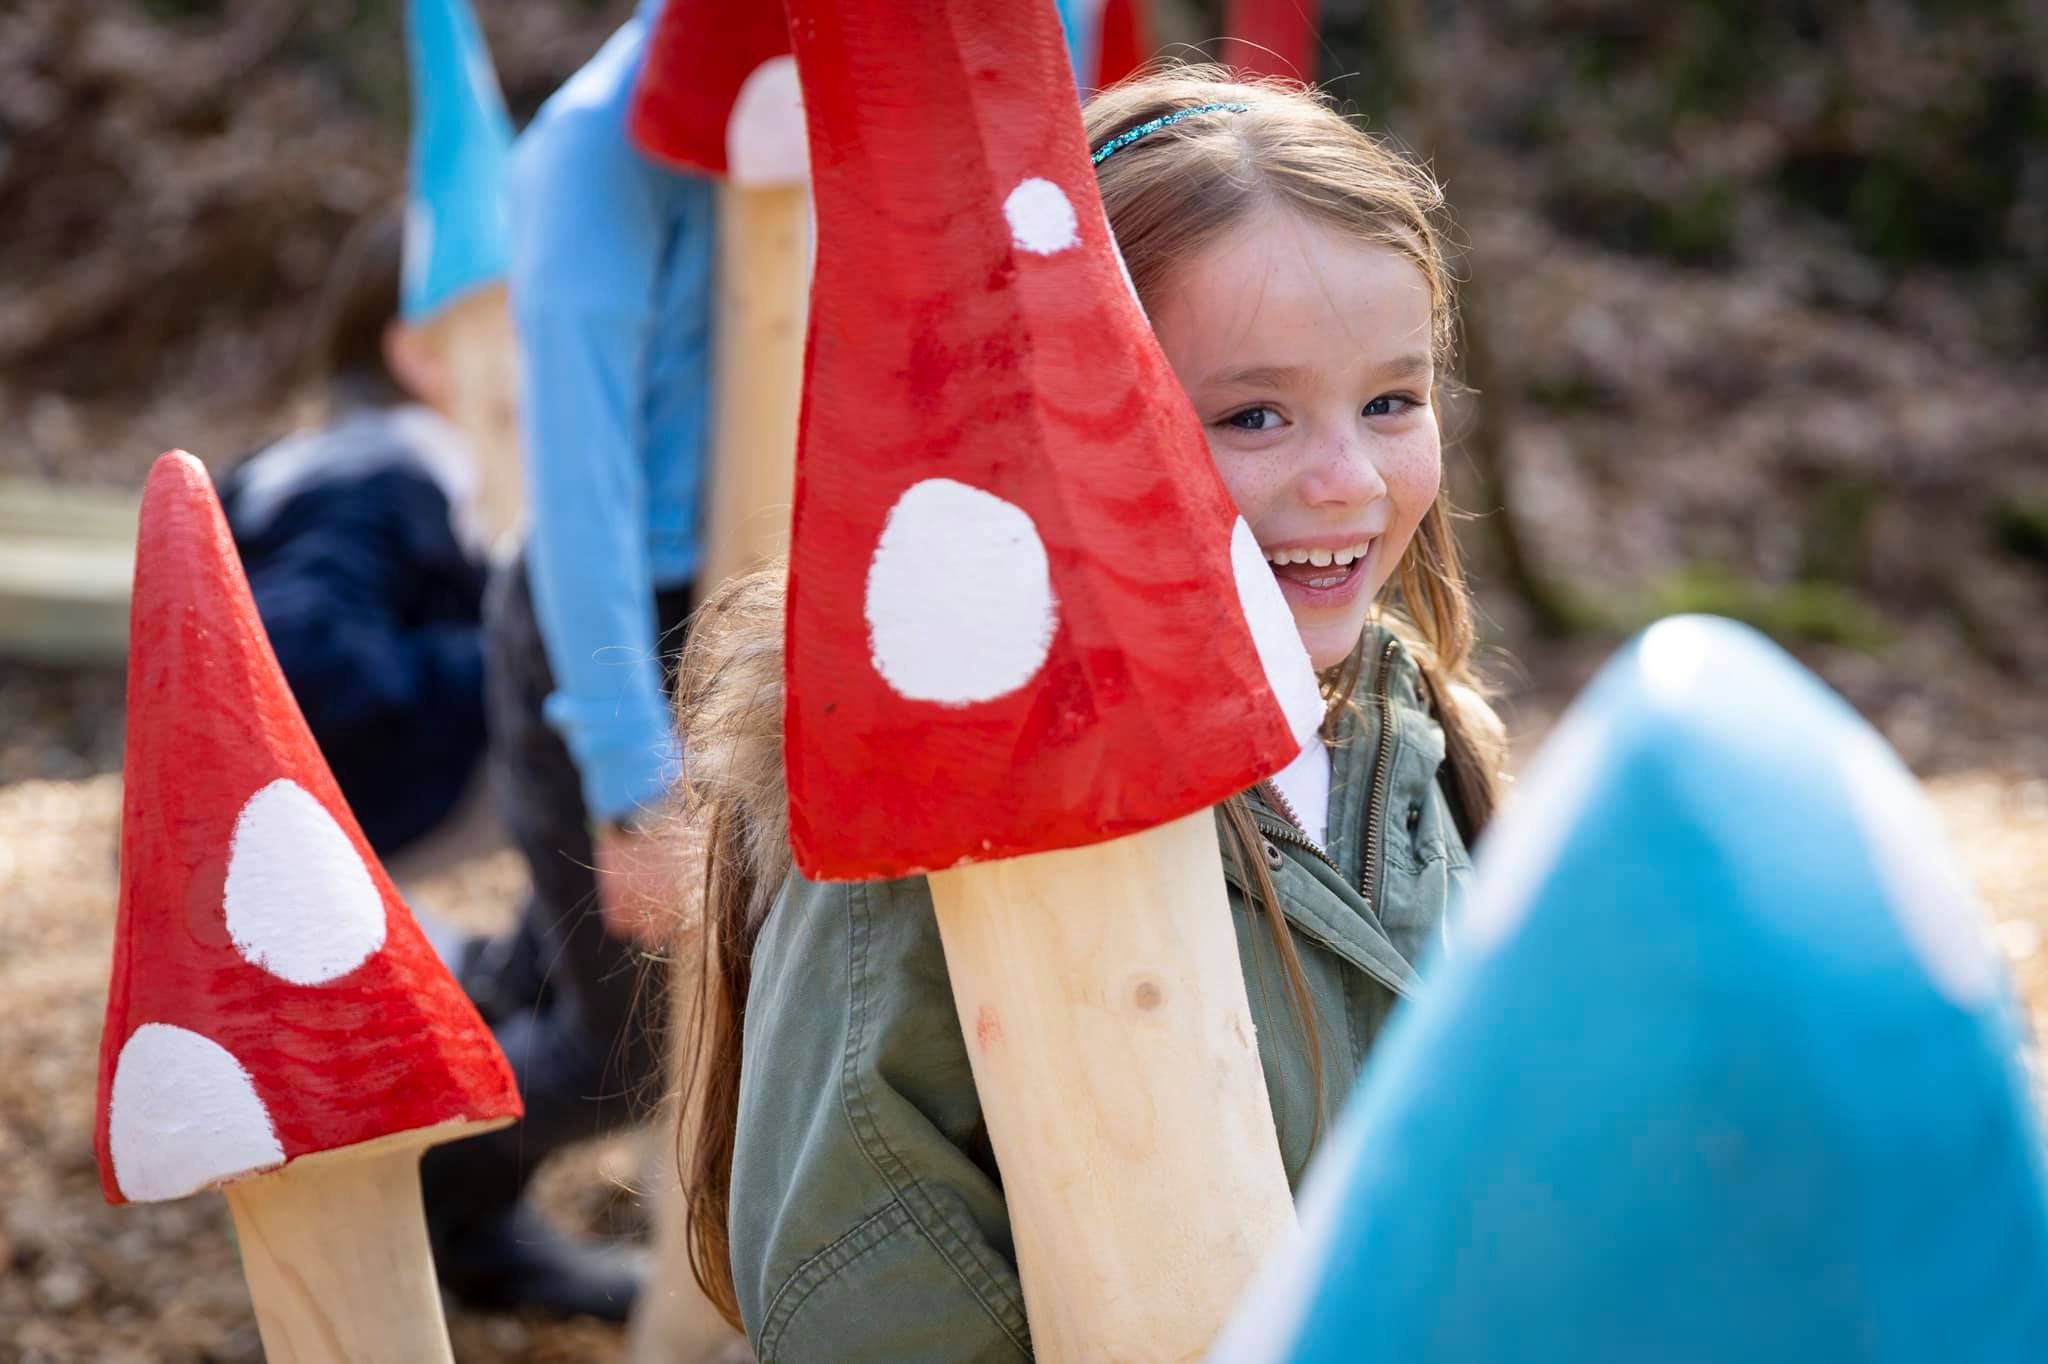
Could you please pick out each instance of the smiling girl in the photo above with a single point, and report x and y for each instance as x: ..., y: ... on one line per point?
x: 845, y: 1201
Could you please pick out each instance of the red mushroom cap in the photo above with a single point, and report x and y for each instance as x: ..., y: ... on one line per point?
x: 1271, y: 38
x: 1023, y: 612
x: 270, y: 997
x: 717, y: 92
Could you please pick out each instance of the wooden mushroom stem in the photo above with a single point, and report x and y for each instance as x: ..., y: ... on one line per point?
x: 334, y: 1247
x: 1105, y: 1014
x: 764, y: 289
x: 673, y: 1321
x: 473, y: 341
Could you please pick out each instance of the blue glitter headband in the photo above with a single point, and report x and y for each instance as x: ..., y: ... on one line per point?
x: 1130, y: 135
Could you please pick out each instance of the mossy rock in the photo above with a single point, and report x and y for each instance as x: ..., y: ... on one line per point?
x: 1838, y: 530
x: 1693, y: 225
x: 180, y: 11
x: 1567, y: 393
x: 2019, y: 525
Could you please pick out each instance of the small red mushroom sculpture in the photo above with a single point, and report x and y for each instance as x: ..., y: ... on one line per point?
x: 1030, y: 644
x: 717, y: 96
x: 276, y: 1022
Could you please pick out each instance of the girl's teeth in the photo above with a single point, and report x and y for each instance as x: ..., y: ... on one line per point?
x: 1321, y: 558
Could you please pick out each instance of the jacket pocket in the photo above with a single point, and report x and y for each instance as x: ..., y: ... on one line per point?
x: 1413, y: 780
x: 884, y: 1290
x: 1428, y: 860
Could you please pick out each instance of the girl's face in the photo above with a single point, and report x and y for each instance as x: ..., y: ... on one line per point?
x: 1307, y: 356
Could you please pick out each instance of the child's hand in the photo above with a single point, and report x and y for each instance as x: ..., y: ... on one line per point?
x: 644, y: 879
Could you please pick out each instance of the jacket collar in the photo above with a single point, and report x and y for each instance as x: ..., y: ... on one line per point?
x: 1339, y: 918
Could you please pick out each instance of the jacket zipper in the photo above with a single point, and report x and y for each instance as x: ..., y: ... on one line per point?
x: 1291, y: 831
x: 1382, y: 778
x: 1382, y: 775
x: 1281, y: 832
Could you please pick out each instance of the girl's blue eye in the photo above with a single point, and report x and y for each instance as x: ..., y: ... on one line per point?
x: 1253, y: 419
x: 1383, y: 406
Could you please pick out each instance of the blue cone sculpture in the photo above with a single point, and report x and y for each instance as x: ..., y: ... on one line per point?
x: 456, y: 236
x: 1716, y: 1070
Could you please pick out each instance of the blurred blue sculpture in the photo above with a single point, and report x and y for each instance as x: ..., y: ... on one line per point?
x: 1717, y: 1067
x: 1082, y: 22
x: 456, y: 237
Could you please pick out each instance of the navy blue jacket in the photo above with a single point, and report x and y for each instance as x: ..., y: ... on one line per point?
x: 373, y: 603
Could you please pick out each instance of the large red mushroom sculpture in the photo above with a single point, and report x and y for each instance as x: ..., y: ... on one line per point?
x: 718, y: 96
x: 1030, y: 644
x: 276, y: 1022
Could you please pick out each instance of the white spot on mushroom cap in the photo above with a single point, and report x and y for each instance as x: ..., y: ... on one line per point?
x: 960, y: 606
x: 1041, y: 219
x: 300, y: 903
x: 764, y: 133
x: 1930, y: 897
x: 1288, y: 670
x: 183, y: 1115
x: 1122, y: 267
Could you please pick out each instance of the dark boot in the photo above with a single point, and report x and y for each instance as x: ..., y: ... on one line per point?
x: 491, y: 1247
x: 517, y: 1259
x: 505, y: 973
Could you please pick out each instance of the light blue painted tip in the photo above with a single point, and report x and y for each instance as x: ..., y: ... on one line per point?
x: 1718, y: 1069
x: 456, y: 234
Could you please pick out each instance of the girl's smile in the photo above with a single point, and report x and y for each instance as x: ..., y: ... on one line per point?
x: 1320, y: 575
x: 1307, y: 355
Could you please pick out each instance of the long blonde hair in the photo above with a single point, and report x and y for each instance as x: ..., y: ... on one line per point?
x: 729, y: 704
x: 1168, y: 195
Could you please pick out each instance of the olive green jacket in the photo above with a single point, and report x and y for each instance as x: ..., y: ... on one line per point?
x: 867, y: 1217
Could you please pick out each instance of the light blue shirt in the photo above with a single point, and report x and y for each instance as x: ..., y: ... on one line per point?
x: 611, y: 284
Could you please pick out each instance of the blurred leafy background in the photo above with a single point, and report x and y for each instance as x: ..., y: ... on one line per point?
x: 1757, y: 294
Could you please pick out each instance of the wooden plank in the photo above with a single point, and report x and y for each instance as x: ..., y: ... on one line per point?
x: 764, y: 285
x: 61, y: 511
x: 67, y: 556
